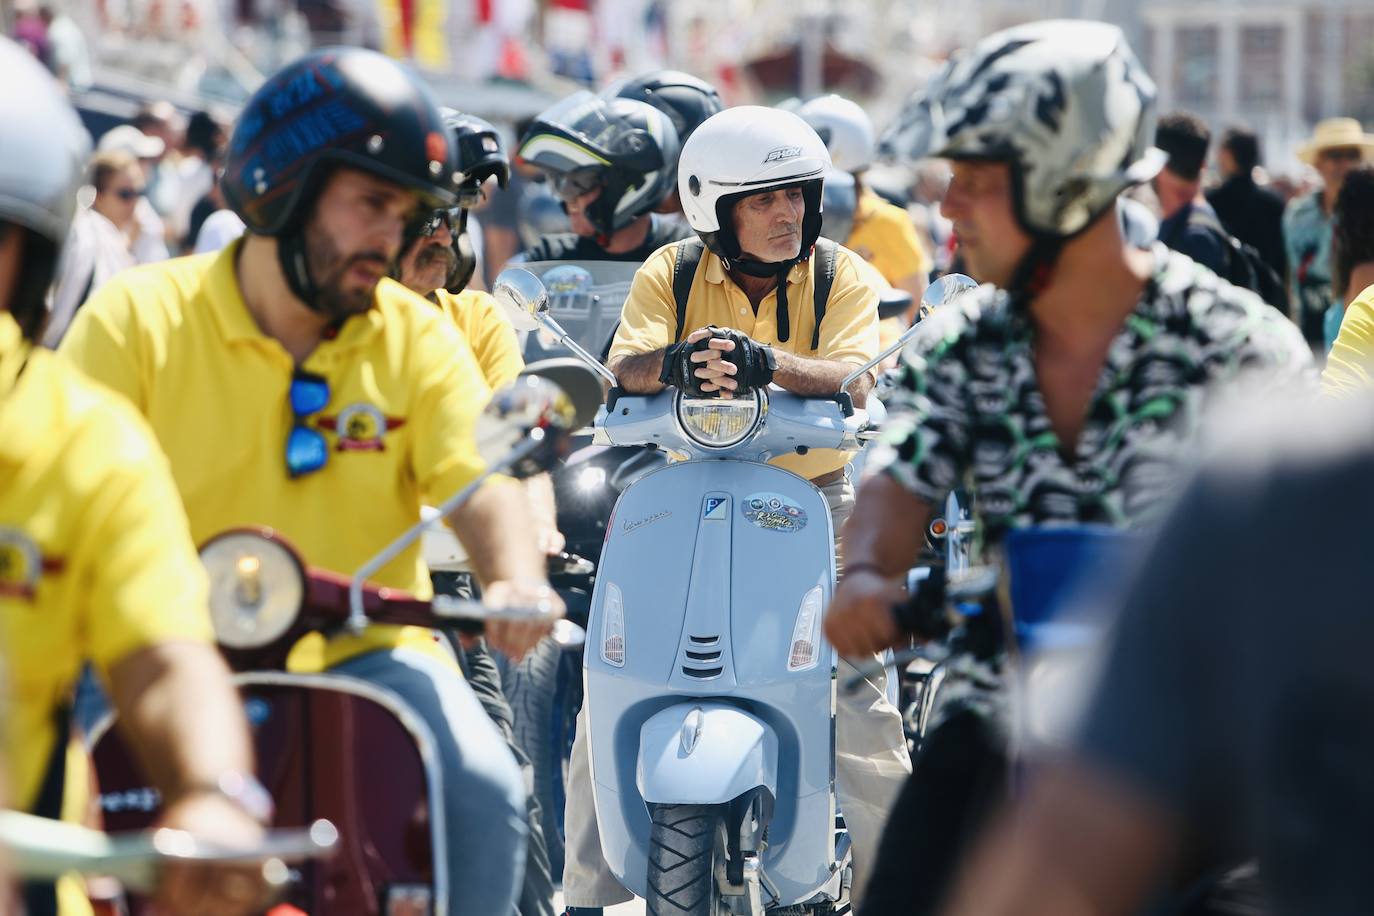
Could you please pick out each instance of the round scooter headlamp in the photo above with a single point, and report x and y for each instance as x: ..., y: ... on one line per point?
x: 257, y: 585
x: 721, y: 423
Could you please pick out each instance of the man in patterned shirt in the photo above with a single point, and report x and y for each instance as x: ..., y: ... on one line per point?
x: 1066, y: 388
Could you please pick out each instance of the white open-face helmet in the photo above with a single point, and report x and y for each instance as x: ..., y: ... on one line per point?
x: 846, y: 130
x: 743, y: 151
x: 1065, y: 103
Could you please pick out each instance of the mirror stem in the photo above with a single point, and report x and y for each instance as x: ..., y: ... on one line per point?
x: 357, y: 615
x: 553, y: 327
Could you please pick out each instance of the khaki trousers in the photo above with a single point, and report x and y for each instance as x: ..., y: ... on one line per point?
x: 871, y: 766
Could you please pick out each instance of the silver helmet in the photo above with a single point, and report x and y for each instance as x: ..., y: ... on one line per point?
x: 43, y: 153
x: 1066, y: 103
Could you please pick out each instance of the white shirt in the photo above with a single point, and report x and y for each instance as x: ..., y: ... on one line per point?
x: 152, y: 234
x: 219, y: 229
x: 95, y: 251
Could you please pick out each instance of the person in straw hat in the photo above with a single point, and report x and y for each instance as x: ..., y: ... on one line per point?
x: 1337, y: 145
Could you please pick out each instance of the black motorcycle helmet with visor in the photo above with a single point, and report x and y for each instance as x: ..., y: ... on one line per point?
x: 626, y: 148
x: 684, y: 98
x: 481, y: 155
x: 334, y: 107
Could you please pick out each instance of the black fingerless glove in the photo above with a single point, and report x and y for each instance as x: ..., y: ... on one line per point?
x: 754, y: 363
x: 680, y: 372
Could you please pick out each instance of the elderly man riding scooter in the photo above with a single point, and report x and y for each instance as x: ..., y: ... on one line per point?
x: 753, y: 301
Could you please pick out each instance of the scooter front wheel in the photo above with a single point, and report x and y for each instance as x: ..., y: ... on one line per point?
x: 686, y: 844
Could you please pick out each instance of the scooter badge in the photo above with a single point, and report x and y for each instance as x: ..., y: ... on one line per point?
x: 774, y: 512
x: 717, y: 509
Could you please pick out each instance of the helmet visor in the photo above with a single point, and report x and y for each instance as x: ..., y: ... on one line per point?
x: 583, y: 130
x: 578, y: 182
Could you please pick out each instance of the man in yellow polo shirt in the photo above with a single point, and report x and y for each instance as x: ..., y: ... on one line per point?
x: 96, y: 562
x: 751, y: 180
x: 292, y: 385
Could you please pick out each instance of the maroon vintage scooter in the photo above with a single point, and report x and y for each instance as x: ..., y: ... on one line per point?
x: 334, y: 747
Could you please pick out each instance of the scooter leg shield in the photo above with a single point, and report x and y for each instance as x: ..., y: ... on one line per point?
x: 705, y: 753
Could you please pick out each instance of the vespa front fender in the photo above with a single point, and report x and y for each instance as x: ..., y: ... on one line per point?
x: 705, y: 754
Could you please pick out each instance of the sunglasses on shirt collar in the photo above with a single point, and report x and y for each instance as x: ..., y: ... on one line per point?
x: 307, y: 451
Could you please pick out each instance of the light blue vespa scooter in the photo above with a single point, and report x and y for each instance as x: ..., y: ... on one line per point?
x: 710, y: 689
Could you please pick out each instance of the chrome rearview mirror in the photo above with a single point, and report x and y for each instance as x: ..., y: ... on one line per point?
x: 522, y: 297
x: 942, y: 292
x: 525, y: 302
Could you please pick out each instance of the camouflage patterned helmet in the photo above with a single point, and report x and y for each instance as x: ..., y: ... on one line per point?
x: 1065, y: 102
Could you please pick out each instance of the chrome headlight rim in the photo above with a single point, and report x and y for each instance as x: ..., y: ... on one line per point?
x: 760, y: 401
x: 241, y: 626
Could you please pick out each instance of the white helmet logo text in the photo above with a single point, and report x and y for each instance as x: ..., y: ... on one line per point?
x: 782, y: 153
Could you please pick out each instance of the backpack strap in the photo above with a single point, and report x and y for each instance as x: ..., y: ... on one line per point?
x: 686, y: 257
x: 823, y: 278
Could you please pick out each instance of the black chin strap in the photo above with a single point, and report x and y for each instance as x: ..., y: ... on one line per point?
x: 778, y: 271
x: 296, y: 267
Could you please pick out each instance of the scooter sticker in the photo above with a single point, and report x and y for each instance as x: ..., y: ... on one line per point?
x: 774, y: 512
x: 717, y: 509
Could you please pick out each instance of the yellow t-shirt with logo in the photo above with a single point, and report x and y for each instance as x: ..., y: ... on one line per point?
x: 176, y: 339
x: 849, y: 330
x: 96, y: 558
x: 884, y: 235
x: 492, y: 338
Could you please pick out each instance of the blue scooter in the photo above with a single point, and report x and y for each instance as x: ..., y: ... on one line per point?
x: 710, y: 689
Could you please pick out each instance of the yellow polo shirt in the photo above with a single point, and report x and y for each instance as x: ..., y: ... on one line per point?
x: 96, y: 558
x: 176, y: 339
x: 884, y: 235
x: 849, y: 331
x: 1350, y: 364
x: 492, y: 338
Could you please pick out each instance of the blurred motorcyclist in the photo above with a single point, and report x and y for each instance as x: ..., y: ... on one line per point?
x: 755, y: 282
x: 883, y: 233
x: 1067, y: 388
x: 611, y: 162
x: 296, y: 332
x: 96, y: 560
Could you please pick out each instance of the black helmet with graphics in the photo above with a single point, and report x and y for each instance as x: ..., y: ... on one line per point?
x: 334, y: 107
x: 43, y: 151
x: 1065, y: 103
x: 626, y: 148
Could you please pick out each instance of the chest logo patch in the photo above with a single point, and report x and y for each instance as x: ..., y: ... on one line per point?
x: 773, y: 512
x: 21, y: 565
x: 361, y: 427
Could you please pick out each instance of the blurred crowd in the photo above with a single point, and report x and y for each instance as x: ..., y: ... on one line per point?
x: 1282, y: 229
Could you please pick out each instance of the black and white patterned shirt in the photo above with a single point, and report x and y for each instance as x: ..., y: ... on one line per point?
x: 970, y: 410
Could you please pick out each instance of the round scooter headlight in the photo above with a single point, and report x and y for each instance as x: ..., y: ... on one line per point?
x: 257, y: 585
x: 718, y: 422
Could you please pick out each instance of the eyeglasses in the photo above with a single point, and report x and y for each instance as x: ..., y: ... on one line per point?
x: 1343, y: 154
x: 128, y: 194
x: 574, y: 184
x: 306, y: 448
x: 448, y: 216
